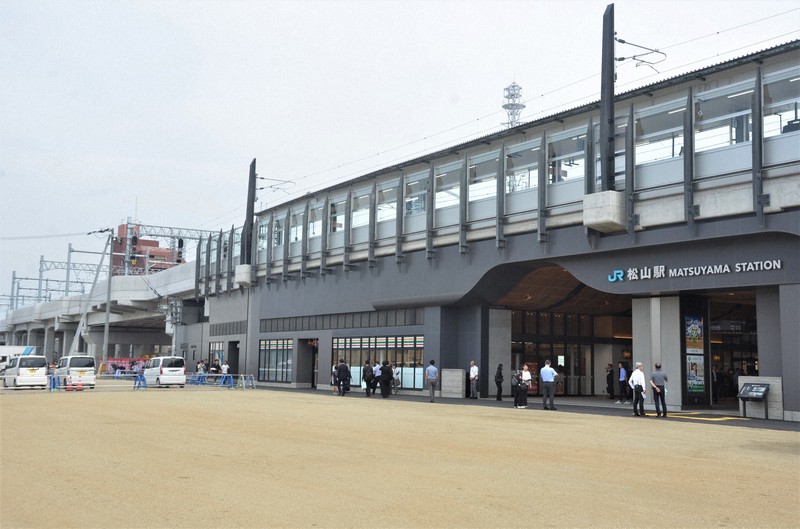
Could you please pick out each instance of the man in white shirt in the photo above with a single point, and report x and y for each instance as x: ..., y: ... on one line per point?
x: 473, y: 380
x: 376, y: 371
x: 431, y: 378
x: 637, y: 383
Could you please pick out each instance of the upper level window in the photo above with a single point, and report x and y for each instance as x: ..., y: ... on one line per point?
x: 482, y: 175
x: 522, y: 166
x: 337, y: 208
x: 278, y: 228
x: 315, y: 213
x: 416, y: 193
x: 566, y: 156
x: 263, y: 236
x: 722, y: 116
x: 659, y: 132
x: 296, y: 220
x: 360, y: 208
x: 448, y: 184
x: 387, y: 200
x: 781, y: 101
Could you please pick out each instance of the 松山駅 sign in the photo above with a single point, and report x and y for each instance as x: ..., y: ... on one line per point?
x: 663, y: 271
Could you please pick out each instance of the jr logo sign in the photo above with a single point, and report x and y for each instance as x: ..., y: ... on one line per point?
x: 616, y: 275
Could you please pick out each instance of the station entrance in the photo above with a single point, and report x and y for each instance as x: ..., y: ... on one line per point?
x: 582, y: 330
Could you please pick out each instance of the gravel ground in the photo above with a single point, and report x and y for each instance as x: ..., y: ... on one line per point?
x: 211, y: 458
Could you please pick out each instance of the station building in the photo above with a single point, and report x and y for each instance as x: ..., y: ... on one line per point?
x: 513, y: 248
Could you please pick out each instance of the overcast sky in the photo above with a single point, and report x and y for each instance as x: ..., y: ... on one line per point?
x: 154, y: 109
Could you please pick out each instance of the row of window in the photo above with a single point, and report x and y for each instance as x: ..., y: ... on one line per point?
x: 228, y: 328
x: 406, y: 352
x: 349, y: 320
x: 275, y: 360
x: 551, y: 324
x: 722, y: 116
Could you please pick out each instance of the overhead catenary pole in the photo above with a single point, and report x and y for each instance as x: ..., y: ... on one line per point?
x: 88, y: 301
x: 108, y: 299
x: 247, y: 230
x: 607, y: 128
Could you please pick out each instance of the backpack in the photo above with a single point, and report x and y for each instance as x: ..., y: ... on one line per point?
x: 514, y: 380
x: 368, y: 374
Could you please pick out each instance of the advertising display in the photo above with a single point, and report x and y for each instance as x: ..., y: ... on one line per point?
x: 695, y: 357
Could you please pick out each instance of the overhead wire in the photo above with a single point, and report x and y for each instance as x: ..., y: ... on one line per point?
x: 551, y: 92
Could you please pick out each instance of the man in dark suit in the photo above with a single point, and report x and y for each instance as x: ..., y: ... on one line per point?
x: 610, y: 381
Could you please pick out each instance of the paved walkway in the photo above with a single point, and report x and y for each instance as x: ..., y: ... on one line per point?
x: 725, y: 414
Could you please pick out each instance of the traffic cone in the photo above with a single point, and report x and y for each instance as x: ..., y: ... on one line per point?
x: 69, y: 385
x: 80, y: 386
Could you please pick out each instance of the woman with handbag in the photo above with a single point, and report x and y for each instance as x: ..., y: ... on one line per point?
x: 498, y: 381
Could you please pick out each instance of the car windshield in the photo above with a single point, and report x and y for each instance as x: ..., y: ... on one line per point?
x: 82, y: 362
x: 173, y: 362
x: 33, y: 362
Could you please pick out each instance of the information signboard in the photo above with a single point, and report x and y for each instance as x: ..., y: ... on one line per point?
x: 755, y: 392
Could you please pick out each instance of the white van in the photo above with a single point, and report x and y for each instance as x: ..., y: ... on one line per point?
x: 30, y: 370
x: 76, y: 370
x: 165, y: 371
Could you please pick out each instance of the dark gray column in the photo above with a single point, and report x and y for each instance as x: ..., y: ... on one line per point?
x: 500, y: 199
x: 542, y: 189
x: 373, y: 206
x: 323, y: 242
x: 399, y: 211
x: 759, y: 198
x: 630, y: 170
x: 430, y: 212
x: 690, y: 210
x: 778, y: 311
x: 463, y: 203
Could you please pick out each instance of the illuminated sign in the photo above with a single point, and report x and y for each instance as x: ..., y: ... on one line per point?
x: 661, y: 271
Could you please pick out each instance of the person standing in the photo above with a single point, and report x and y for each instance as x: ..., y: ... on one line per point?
x: 367, y: 375
x: 610, y: 381
x: 658, y: 380
x: 431, y: 378
x: 335, y: 379
x: 716, y: 382
x: 516, y: 379
x: 498, y: 381
x: 376, y: 376
x: 473, y: 380
x: 343, y: 377
x: 386, y: 379
x: 623, y: 385
x: 524, y: 385
x: 548, y: 377
x: 636, y: 382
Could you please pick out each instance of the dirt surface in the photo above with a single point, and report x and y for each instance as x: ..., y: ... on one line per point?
x: 204, y: 458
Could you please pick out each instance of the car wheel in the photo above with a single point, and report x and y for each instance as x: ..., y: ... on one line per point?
x: 158, y: 382
x: 181, y: 385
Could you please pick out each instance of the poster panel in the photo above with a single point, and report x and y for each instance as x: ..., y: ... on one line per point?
x: 695, y: 355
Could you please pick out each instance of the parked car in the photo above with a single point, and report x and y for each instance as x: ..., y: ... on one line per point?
x: 76, y: 370
x: 165, y: 371
x: 29, y: 370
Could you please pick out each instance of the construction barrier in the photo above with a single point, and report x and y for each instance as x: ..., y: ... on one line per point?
x: 246, y: 381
